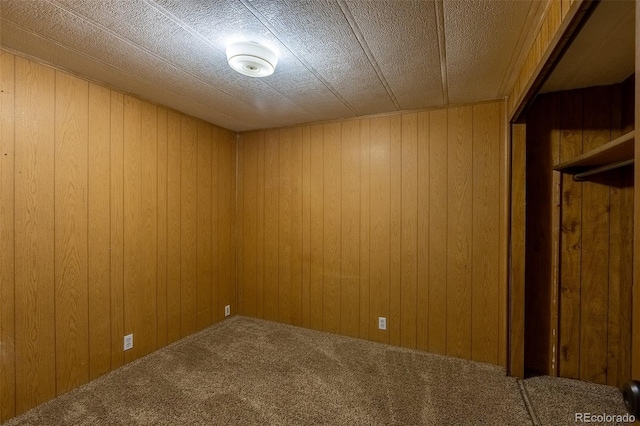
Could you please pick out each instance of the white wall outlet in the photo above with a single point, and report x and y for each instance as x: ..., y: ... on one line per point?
x: 382, y: 323
x: 227, y: 310
x: 128, y: 342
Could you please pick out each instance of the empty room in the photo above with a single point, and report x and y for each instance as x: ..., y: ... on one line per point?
x: 300, y: 212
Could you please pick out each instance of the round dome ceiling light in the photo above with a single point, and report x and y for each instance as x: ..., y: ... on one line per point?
x: 252, y: 59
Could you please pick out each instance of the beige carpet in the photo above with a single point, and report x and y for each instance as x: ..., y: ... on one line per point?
x: 246, y: 371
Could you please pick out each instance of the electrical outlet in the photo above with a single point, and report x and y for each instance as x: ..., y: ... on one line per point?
x: 382, y: 323
x: 128, y: 342
x: 227, y: 310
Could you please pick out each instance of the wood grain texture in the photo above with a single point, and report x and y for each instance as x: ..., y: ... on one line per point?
x: 203, y: 227
x: 438, y: 217
x: 571, y: 238
x: 409, y: 233
x: 365, y: 214
x: 316, y: 225
x: 35, y: 344
x: 595, y: 250
x: 635, y: 319
x: 459, y: 232
x: 188, y: 229
x: 98, y: 232
x: 350, y: 230
x: 505, y: 203
x: 260, y: 225
x: 226, y: 209
x: 240, y: 228
x: 216, y: 315
x: 395, y: 237
x: 271, y: 192
x: 375, y: 221
x: 161, y: 288
x: 332, y: 227
x: 249, y: 148
x: 71, y: 286
x: 379, y: 244
x: 515, y: 364
x: 7, y: 236
x: 422, y: 238
x: 117, y: 229
x: 174, y: 160
x: 486, y: 243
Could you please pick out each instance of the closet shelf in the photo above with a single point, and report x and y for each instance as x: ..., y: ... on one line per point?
x: 617, y: 153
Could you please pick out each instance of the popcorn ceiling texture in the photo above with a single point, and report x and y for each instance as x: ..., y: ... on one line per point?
x: 338, y: 59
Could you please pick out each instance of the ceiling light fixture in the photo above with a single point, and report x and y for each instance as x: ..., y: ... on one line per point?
x: 252, y: 59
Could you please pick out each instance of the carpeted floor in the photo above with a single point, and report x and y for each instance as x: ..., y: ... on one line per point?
x: 245, y: 371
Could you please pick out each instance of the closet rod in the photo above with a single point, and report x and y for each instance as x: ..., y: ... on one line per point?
x: 605, y: 168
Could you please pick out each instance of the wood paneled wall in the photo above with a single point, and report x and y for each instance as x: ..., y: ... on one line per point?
x: 395, y: 216
x: 116, y: 217
x: 595, y: 238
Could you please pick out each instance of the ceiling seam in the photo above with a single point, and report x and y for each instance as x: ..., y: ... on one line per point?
x: 442, y: 49
x: 306, y: 64
x: 148, y: 52
x: 93, y: 58
x: 346, y: 12
x: 202, y: 38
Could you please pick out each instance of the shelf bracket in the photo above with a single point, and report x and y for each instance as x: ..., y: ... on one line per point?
x: 581, y: 176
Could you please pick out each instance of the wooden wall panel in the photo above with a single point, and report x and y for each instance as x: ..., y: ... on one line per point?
x: 595, y: 279
x: 7, y: 235
x: 203, y: 227
x: 71, y: 290
x: 350, y: 230
x: 438, y: 216
x: 174, y: 160
x: 459, y: 231
x: 332, y: 227
x: 397, y: 216
x: 35, y: 353
x: 188, y: 185
x: 105, y: 196
x: 98, y: 233
x: 485, y: 295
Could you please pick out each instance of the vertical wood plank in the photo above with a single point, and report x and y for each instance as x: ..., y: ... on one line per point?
x: 515, y: 364
x: 174, y: 170
x: 438, y: 218
x: 571, y: 238
x: 99, y: 143
x: 117, y: 229
x: 133, y: 222
x: 459, y: 232
x: 409, y: 232
x: 71, y: 292
x: 365, y: 196
x: 350, y: 230
x: 240, y: 229
x: 306, y: 224
x: 188, y: 185
x: 503, y: 269
x: 316, y: 285
x: 635, y: 318
x: 34, y: 244
x: 260, y: 224
x: 395, y: 248
x: 295, y: 291
x: 203, y: 227
x: 226, y: 206
x: 486, y: 243
x: 285, y: 217
x: 380, y: 172
x: 216, y: 315
x: 332, y: 227
x: 271, y: 237
x: 147, y: 342
x: 7, y: 236
x: 248, y: 148
x: 626, y: 275
x: 162, y: 226
x: 595, y: 250
x: 422, y: 255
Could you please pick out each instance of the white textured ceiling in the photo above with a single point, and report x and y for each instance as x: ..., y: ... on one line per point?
x: 602, y: 53
x: 338, y: 59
